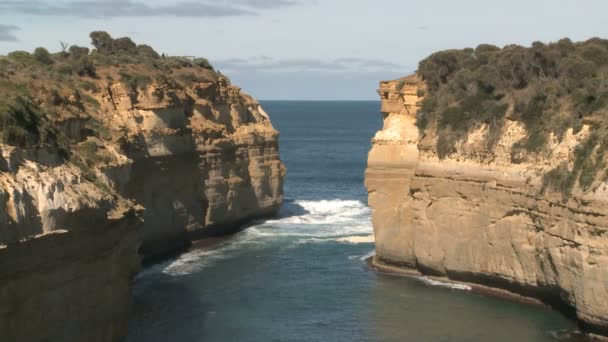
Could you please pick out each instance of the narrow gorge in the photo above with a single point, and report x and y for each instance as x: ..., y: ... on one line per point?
x: 109, y: 157
x: 490, y: 170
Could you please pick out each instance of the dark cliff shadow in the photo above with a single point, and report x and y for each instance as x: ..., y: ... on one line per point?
x: 164, y: 309
x: 169, y: 188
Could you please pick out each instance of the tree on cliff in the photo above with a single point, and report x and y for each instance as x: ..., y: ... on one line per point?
x: 102, y: 41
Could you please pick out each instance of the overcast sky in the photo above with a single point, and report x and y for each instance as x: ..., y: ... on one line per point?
x: 303, y: 49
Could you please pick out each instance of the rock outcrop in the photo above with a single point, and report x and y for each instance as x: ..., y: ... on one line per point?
x: 201, y: 161
x: 68, y: 253
x: 110, y: 157
x: 479, y: 217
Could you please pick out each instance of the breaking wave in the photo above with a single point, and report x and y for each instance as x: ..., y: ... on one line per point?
x: 298, y: 222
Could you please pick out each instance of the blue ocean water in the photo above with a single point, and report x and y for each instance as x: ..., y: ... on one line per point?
x: 302, y: 276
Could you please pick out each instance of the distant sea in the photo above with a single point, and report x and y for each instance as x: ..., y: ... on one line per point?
x: 303, y: 276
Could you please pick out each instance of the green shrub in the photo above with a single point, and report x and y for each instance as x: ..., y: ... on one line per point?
x: 124, y: 45
x: 400, y: 85
x: 21, y: 57
x: 550, y: 87
x: 102, y: 41
x: 203, y: 63
x: 90, y: 100
x: 23, y: 124
x: 89, y: 86
x: 78, y: 52
x: 147, y: 51
x: 134, y: 81
x: 83, y: 66
x: 537, y: 81
x: 189, y: 77
x: 43, y: 56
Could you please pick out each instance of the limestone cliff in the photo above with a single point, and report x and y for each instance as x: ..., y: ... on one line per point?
x: 476, y: 215
x: 107, y: 154
x: 201, y: 160
x: 67, y: 253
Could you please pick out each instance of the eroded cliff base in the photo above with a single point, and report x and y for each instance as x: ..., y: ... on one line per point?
x: 486, y: 287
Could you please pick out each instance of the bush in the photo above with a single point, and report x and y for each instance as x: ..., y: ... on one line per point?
x: 400, y: 85
x: 189, y: 77
x: 89, y: 86
x: 536, y: 81
x: 78, y: 52
x: 84, y: 67
x: 21, y: 57
x: 551, y: 88
x: 203, y: 63
x: 134, y: 81
x: 102, y: 41
x: 147, y: 51
x: 23, y: 124
x: 43, y: 56
x: 124, y: 45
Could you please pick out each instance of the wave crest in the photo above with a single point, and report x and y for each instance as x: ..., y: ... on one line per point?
x: 300, y: 221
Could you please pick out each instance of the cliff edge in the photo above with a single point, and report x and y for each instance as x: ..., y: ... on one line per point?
x: 109, y: 156
x: 490, y: 169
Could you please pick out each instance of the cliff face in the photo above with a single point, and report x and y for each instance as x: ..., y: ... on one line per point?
x: 68, y: 252
x: 201, y: 160
x: 480, y: 217
x: 109, y: 157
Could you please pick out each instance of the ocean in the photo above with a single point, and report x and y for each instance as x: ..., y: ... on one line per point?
x: 302, y: 276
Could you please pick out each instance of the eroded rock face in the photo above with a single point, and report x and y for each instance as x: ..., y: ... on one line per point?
x: 481, y: 218
x: 165, y: 164
x: 201, y: 161
x: 68, y: 253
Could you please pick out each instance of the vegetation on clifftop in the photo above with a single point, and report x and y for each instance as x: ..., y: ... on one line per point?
x: 40, y: 92
x: 549, y: 88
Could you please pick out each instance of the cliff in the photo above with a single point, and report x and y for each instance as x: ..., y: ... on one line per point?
x: 470, y: 198
x: 108, y: 157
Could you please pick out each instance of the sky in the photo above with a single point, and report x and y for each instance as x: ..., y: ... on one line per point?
x: 303, y: 49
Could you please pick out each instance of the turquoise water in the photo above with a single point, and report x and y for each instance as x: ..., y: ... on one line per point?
x: 302, y: 276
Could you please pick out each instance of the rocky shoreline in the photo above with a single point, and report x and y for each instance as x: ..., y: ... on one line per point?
x: 395, y: 269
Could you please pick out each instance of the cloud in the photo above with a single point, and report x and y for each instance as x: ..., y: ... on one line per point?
x: 307, y: 65
x: 6, y: 33
x: 138, y: 8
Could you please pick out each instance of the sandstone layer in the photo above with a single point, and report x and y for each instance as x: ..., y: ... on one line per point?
x: 110, y: 157
x: 201, y: 161
x: 481, y: 218
x: 68, y: 253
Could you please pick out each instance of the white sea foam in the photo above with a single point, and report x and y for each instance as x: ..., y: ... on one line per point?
x: 455, y: 286
x: 318, y: 219
x: 357, y: 239
x: 368, y: 255
x: 364, y: 256
x: 198, y: 259
x: 298, y: 222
